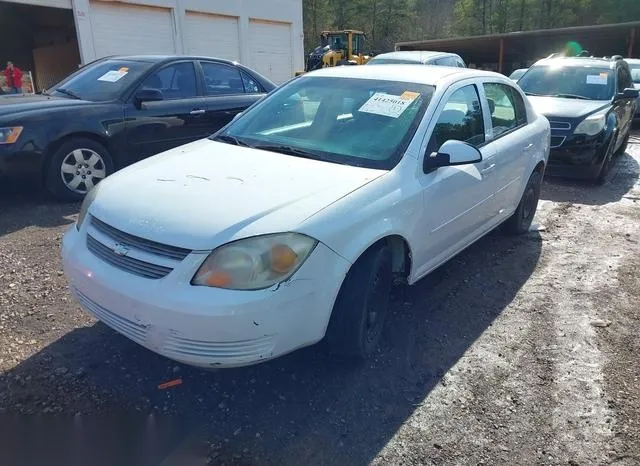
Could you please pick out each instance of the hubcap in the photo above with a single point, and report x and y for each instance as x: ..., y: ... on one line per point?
x: 81, y: 170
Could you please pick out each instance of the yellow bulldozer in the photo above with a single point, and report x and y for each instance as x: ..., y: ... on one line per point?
x: 337, y: 48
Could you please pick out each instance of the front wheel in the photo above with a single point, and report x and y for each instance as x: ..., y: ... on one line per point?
x: 76, y: 167
x: 606, y: 163
x: 520, y: 221
x: 361, y: 307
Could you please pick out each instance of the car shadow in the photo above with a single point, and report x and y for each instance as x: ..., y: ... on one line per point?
x: 24, y: 204
x: 304, y: 408
x: 622, y: 178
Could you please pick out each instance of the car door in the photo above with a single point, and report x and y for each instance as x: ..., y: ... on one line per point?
x: 624, y: 108
x: 176, y: 119
x: 513, y: 141
x: 228, y: 91
x: 456, y: 199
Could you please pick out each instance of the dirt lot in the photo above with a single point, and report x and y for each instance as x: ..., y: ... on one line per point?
x: 518, y: 351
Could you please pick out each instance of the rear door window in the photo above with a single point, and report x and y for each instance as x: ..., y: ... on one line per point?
x: 502, y: 108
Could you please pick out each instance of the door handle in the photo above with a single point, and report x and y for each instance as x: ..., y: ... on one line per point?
x: 197, y: 112
x: 488, y: 168
x: 529, y: 147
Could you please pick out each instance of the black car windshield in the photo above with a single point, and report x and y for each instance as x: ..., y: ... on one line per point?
x: 361, y: 122
x: 578, y: 82
x: 102, y: 81
x: 635, y: 73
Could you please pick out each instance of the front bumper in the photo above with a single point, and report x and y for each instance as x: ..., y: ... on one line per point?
x: 202, y: 326
x: 576, y: 158
x: 20, y: 161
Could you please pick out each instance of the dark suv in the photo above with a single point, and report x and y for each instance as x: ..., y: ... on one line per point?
x: 590, y: 103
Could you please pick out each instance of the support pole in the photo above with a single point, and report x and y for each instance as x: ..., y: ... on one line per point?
x: 632, y: 39
x: 501, y: 56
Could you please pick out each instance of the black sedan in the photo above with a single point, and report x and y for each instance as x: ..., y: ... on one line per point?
x: 117, y: 111
x: 590, y: 104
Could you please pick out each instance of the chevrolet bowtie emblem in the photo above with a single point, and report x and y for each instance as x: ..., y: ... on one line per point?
x: 120, y: 250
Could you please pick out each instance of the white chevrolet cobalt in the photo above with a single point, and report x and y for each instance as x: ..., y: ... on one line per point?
x: 293, y: 223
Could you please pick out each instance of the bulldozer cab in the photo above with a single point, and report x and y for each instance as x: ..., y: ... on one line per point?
x: 349, y: 42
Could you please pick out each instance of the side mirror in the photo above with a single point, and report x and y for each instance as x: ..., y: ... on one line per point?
x: 451, y: 153
x: 628, y: 93
x: 147, y: 95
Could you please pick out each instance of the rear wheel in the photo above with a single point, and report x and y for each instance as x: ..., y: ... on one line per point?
x: 76, y: 167
x: 520, y: 221
x: 361, y: 307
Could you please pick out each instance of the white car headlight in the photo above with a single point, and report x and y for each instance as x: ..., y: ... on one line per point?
x: 591, y: 125
x: 255, y: 263
x: 86, y: 203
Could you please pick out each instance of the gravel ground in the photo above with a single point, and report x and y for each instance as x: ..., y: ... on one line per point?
x: 518, y: 351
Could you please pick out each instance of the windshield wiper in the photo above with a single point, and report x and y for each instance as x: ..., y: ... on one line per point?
x: 289, y: 150
x: 532, y: 93
x: 572, y: 96
x: 231, y: 140
x: 69, y: 93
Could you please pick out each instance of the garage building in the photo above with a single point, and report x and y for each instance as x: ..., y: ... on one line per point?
x: 51, y: 38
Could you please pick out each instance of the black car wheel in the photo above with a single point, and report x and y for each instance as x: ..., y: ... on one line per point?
x: 361, y: 307
x: 606, y: 163
x: 520, y: 221
x: 76, y: 167
x: 623, y: 147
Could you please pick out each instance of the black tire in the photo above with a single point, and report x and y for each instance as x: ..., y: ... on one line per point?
x: 623, y: 147
x: 58, y: 182
x: 361, y: 307
x: 601, y: 178
x: 520, y: 221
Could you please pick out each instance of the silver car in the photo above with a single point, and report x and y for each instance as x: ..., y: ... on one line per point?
x: 418, y: 57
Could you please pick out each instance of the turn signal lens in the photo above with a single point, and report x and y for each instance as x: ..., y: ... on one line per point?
x: 10, y: 135
x: 282, y: 258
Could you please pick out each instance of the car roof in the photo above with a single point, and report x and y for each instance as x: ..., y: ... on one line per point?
x: 428, y: 74
x: 579, y: 61
x: 634, y: 61
x: 164, y: 58
x: 418, y: 55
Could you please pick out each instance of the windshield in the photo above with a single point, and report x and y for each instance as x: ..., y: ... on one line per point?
x: 517, y: 74
x: 635, y: 73
x: 585, y: 82
x: 360, y: 122
x: 102, y: 81
x: 392, y: 61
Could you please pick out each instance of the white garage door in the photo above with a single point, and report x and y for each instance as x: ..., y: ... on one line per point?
x: 211, y: 36
x: 270, y: 50
x: 131, y: 29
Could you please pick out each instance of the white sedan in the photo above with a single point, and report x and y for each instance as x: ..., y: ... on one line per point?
x: 293, y: 223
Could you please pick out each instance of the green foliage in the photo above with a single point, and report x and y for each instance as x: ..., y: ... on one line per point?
x: 389, y: 21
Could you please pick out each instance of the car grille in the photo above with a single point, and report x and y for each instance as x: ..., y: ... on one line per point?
x: 160, y: 259
x: 134, y: 266
x: 178, y: 347
x: 560, y: 125
x: 556, y: 141
x: 142, y: 244
x: 132, y: 330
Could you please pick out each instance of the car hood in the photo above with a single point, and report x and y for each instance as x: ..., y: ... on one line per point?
x: 18, y: 104
x: 566, y: 108
x: 207, y: 193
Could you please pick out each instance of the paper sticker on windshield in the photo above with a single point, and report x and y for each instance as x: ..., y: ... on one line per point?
x: 388, y: 105
x: 600, y: 79
x: 113, y: 76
